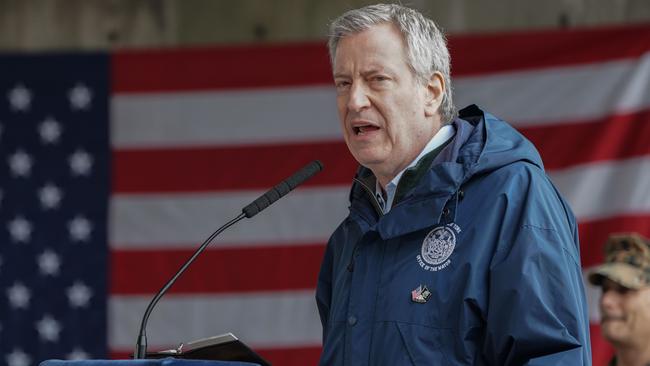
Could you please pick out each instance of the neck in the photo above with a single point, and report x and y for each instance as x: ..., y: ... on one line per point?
x: 430, y: 141
x: 385, y: 179
x: 633, y: 356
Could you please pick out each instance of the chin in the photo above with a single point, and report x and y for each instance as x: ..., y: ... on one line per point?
x: 370, y: 164
x: 367, y: 160
x: 614, y: 336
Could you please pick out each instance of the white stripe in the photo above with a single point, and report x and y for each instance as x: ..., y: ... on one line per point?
x: 273, y: 319
x: 594, y: 191
x: 224, y: 118
x: 606, y: 189
x: 305, y: 215
x: 593, y: 297
x: 561, y: 94
x: 552, y: 95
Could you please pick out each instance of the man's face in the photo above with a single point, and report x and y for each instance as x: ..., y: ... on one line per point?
x: 625, y: 314
x: 386, y: 114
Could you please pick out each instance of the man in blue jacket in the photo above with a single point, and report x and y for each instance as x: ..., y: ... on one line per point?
x: 458, y: 250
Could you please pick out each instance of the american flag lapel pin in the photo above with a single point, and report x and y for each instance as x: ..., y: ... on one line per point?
x: 420, y: 294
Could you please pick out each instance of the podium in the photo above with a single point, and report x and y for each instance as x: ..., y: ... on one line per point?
x: 168, y: 361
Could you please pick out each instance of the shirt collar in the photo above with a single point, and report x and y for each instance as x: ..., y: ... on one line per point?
x: 445, y: 133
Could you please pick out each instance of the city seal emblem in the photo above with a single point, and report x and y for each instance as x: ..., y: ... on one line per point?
x: 437, y: 248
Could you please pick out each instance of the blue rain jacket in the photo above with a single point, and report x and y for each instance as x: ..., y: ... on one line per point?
x: 477, y: 263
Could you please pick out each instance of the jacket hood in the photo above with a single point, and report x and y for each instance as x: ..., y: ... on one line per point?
x: 484, y: 143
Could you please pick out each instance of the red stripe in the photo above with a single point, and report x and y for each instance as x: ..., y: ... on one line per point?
x: 217, y: 270
x: 227, y: 168
x: 122, y: 354
x: 616, y: 137
x: 292, y: 357
x: 220, y: 68
x: 240, y: 168
x: 601, y: 350
x: 593, y: 234
x: 297, y: 356
x: 294, y: 267
x: 498, y: 52
x: 308, y: 63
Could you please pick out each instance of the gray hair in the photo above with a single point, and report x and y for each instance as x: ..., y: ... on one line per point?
x: 426, y: 47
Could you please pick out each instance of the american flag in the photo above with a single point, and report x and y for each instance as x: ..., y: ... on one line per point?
x: 114, y: 167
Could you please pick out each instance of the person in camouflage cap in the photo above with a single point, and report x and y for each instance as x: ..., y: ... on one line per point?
x: 625, y: 300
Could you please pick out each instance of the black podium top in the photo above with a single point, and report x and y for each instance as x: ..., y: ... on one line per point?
x: 146, y: 362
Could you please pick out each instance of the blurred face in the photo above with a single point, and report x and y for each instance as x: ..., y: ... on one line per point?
x: 625, y: 314
x: 387, y: 115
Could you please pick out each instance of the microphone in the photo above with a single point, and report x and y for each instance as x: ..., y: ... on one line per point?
x: 282, y: 188
x: 252, y: 209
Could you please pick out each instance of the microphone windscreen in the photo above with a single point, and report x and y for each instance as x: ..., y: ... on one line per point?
x: 303, y: 174
x: 282, y: 188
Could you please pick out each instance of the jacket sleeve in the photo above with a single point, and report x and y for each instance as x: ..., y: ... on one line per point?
x: 324, y: 288
x: 537, y: 312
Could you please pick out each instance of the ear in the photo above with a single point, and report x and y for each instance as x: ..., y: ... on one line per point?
x: 434, y: 94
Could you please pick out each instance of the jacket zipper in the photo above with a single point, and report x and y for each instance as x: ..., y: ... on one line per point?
x: 373, y: 199
x: 377, y: 208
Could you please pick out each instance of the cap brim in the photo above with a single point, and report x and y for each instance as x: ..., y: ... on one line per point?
x: 621, y: 273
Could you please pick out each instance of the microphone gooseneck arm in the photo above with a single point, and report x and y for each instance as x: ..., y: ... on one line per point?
x: 255, y: 207
x: 141, y: 345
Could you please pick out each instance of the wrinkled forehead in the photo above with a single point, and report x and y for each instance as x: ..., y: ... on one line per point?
x: 381, y: 38
x: 376, y: 47
x: 335, y: 39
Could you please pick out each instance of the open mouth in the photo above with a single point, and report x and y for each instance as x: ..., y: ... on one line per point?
x: 360, y: 130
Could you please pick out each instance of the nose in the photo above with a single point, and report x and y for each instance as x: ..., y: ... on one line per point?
x: 358, y: 97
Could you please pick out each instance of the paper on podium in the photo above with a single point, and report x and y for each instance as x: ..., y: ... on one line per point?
x: 223, y: 347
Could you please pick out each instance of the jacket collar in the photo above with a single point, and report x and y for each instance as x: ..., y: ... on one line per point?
x: 426, y: 188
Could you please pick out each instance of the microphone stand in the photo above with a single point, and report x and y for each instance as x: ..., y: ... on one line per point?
x: 141, y: 345
x: 252, y: 209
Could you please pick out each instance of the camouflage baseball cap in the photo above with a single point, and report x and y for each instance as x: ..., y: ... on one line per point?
x: 627, y: 261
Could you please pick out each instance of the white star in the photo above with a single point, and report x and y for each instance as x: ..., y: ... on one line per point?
x: 48, y: 329
x: 49, y: 263
x: 20, y: 229
x: 20, y: 164
x: 50, y: 196
x: 80, y: 228
x: 50, y: 131
x: 18, y: 358
x: 80, y: 162
x: 80, y: 97
x: 79, y: 294
x: 18, y: 296
x: 20, y: 98
x: 77, y: 354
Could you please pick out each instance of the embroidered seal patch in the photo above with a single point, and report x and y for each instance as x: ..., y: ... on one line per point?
x: 437, y: 247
